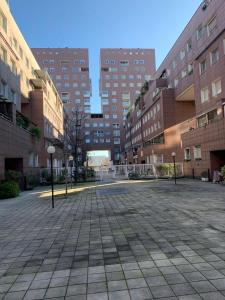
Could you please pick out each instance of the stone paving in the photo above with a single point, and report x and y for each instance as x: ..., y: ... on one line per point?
x: 133, y: 240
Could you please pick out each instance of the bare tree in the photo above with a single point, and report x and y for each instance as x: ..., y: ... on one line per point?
x: 73, y: 137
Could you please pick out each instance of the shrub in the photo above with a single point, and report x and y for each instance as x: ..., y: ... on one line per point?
x: 133, y: 175
x: 223, y: 171
x: 9, y: 189
x: 11, y: 175
x: 36, y: 132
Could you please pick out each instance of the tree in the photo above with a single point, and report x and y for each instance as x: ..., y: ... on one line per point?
x: 73, y: 137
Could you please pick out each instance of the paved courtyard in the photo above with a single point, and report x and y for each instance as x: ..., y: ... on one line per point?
x: 129, y: 240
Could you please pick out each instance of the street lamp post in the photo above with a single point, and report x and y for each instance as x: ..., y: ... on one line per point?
x: 71, y: 168
x: 173, y: 154
x: 51, y: 151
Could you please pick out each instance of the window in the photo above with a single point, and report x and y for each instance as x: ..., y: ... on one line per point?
x: 183, y: 73
x: 106, y: 116
x: 114, y: 116
x: 107, y: 85
x: 124, y: 62
x: 202, y: 121
x: 86, y: 94
x: 202, y: 67
x: 87, y: 101
x: 174, y: 64
x: 199, y: 32
x: 197, y: 152
x: 3, y: 54
x: 87, y: 109
x: 107, y: 140
x: 114, y: 100
x: 139, y: 62
x: 116, y: 141
x: 105, y: 101
x: 21, y: 52
x: 3, y: 89
x: 182, y: 54
x: 116, y: 125
x: 189, y: 45
x: 204, y: 94
x: 13, y: 66
x: 77, y: 101
x: 187, y: 154
x: 214, y: 56
x: 105, y: 94
x: 176, y: 81
x: 3, y: 21
x: 86, y: 125
x: 87, y: 141
x: 190, y: 69
x: 216, y: 87
x: 211, y: 26
x: 27, y: 63
x: 15, y: 43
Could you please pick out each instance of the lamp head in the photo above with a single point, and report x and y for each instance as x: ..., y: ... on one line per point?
x: 51, y: 149
x: 70, y: 158
x: 173, y: 154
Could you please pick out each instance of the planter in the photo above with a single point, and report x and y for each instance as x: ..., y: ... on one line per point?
x: 205, y: 179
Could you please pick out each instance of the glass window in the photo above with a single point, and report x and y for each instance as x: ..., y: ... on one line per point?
x: 3, y: 54
x: 3, y: 21
x: 216, y: 87
x: 197, y: 152
x: 214, y: 56
x: 199, y: 32
x: 204, y: 94
x: 202, y: 67
x: 211, y: 26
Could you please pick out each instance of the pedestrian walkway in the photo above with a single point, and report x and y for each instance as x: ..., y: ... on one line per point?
x: 122, y: 240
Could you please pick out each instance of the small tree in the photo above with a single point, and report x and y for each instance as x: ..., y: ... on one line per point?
x: 73, y: 136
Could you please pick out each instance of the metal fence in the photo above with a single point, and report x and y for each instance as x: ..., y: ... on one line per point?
x: 145, y: 171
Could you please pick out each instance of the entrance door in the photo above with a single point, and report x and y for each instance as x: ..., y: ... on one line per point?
x: 217, y: 160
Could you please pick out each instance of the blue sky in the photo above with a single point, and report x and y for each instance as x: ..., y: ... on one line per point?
x: 96, y: 24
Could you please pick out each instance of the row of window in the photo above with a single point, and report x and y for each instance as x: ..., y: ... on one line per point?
x: 216, y: 90
x: 130, y: 77
x: 66, y: 95
x: 152, y: 129
x: 70, y: 85
x: 152, y: 113
x: 200, y: 32
x: 65, y: 62
x: 124, y: 62
x: 196, y: 151
x: 116, y: 141
x: 123, y: 84
x: 123, y: 69
x: 51, y: 70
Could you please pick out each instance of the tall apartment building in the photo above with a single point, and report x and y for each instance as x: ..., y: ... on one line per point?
x: 122, y: 74
x: 182, y: 110
x: 28, y: 100
x: 69, y: 70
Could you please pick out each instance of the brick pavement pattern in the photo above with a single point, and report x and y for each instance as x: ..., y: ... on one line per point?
x: 134, y: 240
